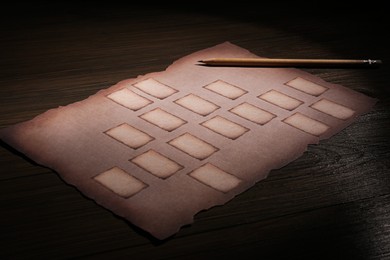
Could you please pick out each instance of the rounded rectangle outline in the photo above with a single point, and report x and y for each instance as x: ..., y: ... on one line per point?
x: 184, y: 121
x: 191, y: 94
x: 152, y: 138
x: 161, y: 98
x: 140, y: 166
x: 216, y: 149
x: 234, y: 86
x: 148, y: 100
x: 337, y: 104
x: 145, y: 185
x: 273, y: 115
x: 210, y: 186
x: 316, y: 95
x: 284, y: 121
x: 231, y: 138
x: 272, y: 90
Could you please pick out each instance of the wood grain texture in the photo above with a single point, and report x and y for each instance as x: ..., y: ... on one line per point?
x: 331, y: 203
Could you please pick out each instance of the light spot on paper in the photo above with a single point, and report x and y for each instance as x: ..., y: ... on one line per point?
x: 215, y: 178
x: 253, y: 113
x: 155, y: 88
x: 157, y: 164
x: 197, y: 104
x: 225, y: 127
x: 193, y: 146
x: 333, y: 109
x: 120, y: 182
x: 163, y: 119
x: 306, y: 124
x: 281, y: 100
x: 129, y: 136
x: 307, y: 86
x: 225, y: 89
x: 129, y: 99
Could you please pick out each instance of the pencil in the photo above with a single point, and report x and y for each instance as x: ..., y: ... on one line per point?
x: 264, y: 62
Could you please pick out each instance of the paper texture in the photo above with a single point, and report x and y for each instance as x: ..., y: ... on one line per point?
x: 159, y: 148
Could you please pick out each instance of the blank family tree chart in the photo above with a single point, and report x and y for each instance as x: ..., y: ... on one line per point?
x: 159, y: 148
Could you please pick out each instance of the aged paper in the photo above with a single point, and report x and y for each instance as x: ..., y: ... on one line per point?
x: 159, y: 148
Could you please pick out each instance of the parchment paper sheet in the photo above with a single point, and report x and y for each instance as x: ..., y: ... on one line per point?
x: 75, y: 140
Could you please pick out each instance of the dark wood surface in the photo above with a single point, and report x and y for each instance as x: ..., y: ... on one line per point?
x: 331, y: 203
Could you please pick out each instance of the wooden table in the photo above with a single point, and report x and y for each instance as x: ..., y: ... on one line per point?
x: 333, y: 202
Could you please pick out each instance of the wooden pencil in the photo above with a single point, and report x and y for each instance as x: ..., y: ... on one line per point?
x: 264, y: 62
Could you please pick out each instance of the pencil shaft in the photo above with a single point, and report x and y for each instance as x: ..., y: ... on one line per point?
x: 252, y: 62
